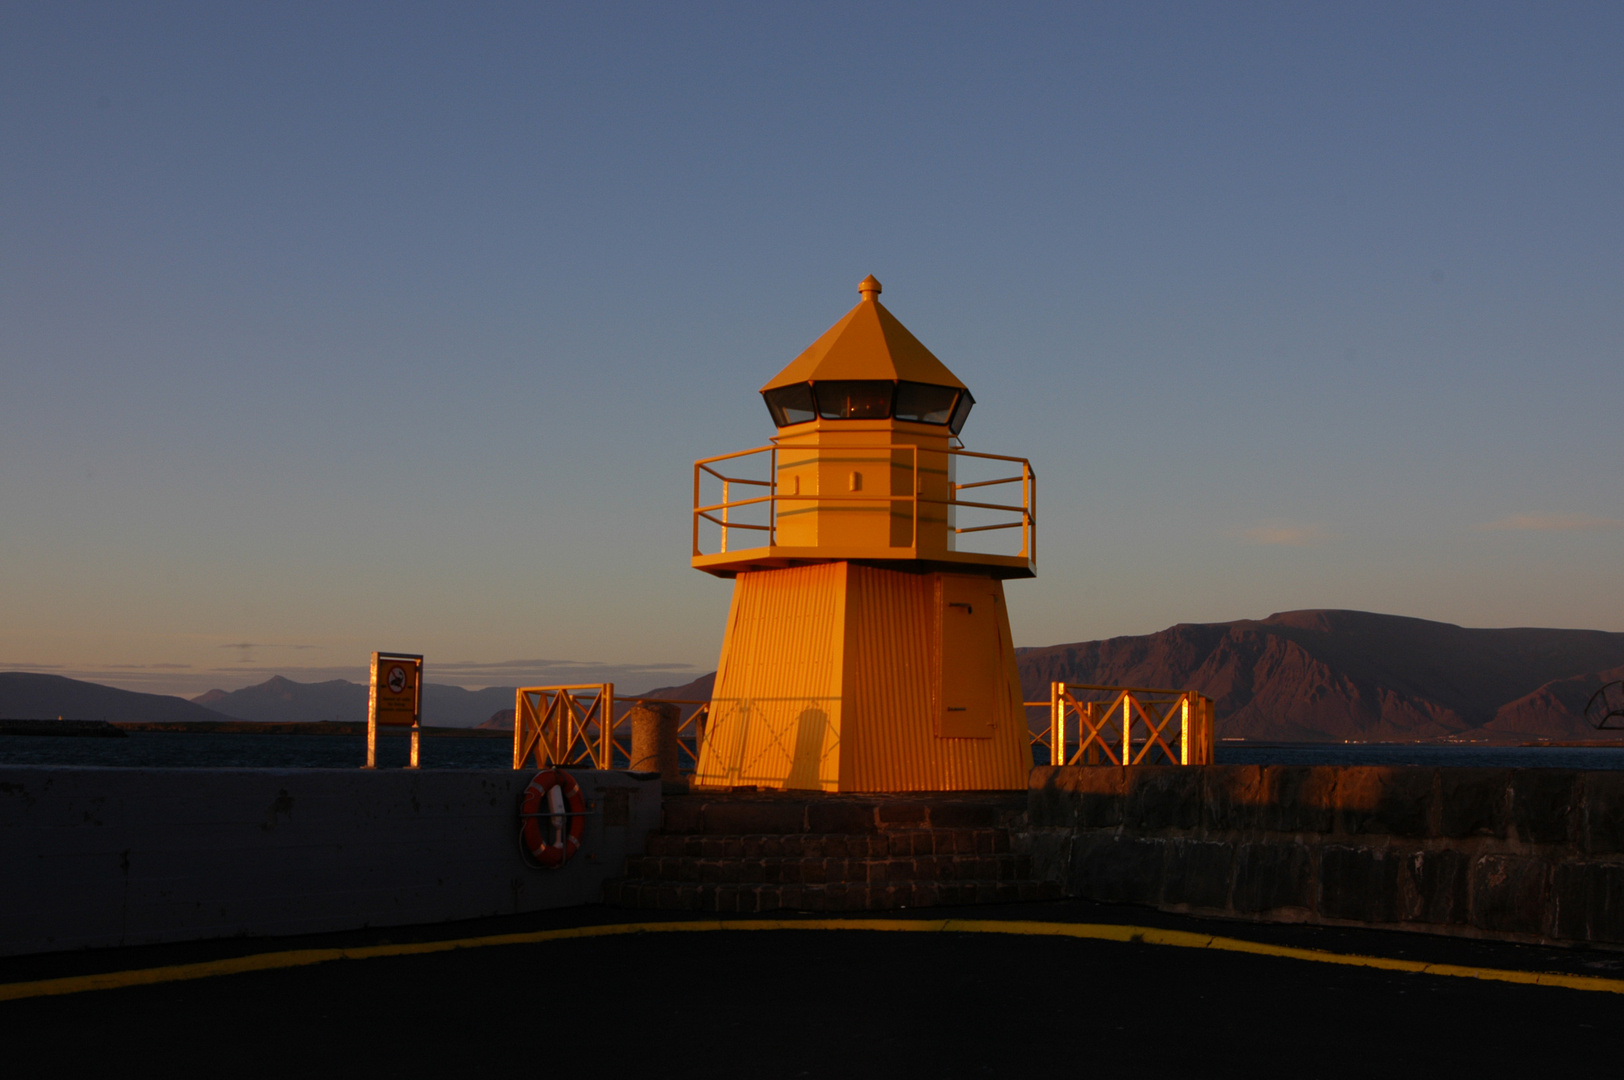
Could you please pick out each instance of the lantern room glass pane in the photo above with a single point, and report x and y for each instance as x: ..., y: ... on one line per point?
x: 961, y: 412
x: 923, y: 403
x: 854, y: 399
x: 791, y: 404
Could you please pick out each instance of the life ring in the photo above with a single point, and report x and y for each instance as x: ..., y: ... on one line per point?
x: 552, y: 817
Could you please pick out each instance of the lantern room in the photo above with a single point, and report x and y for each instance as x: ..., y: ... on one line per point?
x: 865, y: 463
x: 868, y: 644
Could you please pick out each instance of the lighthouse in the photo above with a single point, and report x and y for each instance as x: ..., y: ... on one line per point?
x: 867, y: 646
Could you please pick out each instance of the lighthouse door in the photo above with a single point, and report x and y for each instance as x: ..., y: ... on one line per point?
x: 970, y: 675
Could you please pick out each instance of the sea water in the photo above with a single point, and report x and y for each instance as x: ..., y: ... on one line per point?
x: 220, y: 751
x: 171, y: 750
x: 1493, y: 757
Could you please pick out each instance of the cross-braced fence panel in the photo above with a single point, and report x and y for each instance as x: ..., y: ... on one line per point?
x: 585, y: 725
x: 1126, y: 725
x: 564, y: 725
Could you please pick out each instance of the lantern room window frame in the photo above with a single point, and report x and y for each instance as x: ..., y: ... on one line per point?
x: 863, y: 399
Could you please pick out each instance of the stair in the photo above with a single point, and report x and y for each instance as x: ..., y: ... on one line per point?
x: 753, y: 852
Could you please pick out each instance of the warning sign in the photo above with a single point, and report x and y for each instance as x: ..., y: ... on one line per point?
x: 395, y: 698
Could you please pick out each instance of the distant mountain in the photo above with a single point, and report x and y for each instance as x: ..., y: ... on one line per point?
x: 1298, y: 675
x: 452, y: 706
x: 499, y: 721
x: 27, y: 696
x: 1332, y: 675
x: 1318, y: 675
x: 1556, y: 709
x: 698, y: 690
x: 279, y: 700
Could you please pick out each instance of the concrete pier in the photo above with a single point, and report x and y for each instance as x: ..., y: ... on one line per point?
x: 109, y: 857
x: 1528, y: 855
x: 103, y: 857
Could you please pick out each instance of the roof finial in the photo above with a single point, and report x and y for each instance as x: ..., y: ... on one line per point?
x: 869, y: 287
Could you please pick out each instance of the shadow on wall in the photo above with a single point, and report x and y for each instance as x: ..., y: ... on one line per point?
x: 810, y: 728
x: 1522, y: 854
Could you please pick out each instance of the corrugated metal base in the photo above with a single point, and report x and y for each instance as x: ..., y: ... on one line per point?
x: 831, y: 679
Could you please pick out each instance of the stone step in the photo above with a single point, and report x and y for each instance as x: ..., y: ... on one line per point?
x: 735, y: 814
x: 892, y: 843
x: 773, y: 870
x: 683, y: 896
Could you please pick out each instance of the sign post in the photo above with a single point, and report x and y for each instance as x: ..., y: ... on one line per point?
x: 396, y: 699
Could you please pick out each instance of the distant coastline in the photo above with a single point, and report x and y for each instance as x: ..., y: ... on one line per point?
x: 120, y: 728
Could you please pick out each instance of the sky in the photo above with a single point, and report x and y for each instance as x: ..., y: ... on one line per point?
x: 332, y: 328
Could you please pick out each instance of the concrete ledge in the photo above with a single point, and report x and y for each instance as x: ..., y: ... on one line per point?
x: 718, y: 813
x: 98, y: 857
x: 1534, y: 855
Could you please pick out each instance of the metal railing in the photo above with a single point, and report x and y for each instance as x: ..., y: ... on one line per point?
x: 1125, y: 725
x: 721, y: 514
x: 579, y: 725
x: 1093, y: 725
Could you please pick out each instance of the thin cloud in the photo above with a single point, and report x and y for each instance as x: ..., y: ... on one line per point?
x: 1285, y: 534
x: 1550, y: 523
x: 497, y: 665
x: 263, y: 645
x: 544, y: 665
x: 550, y: 672
x: 245, y: 649
x: 187, y: 681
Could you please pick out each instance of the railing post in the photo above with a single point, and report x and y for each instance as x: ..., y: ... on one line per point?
x: 1184, y: 729
x: 1057, y: 723
x: 518, y: 727
x: 606, y: 726
x: 544, y: 734
x: 562, y: 714
x: 726, y: 498
x: 1127, y: 728
x: 1027, y: 534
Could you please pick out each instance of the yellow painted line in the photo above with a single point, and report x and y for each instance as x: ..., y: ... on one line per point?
x: 237, y: 965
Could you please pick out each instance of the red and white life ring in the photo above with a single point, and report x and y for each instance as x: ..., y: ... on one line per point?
x: 552, y: 817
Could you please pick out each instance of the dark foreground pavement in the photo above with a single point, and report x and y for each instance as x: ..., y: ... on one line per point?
x: 827, y: 1004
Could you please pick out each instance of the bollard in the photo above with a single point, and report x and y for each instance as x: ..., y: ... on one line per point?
x: 654, y: 738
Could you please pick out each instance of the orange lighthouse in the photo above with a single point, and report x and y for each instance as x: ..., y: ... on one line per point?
x: 868, y: 646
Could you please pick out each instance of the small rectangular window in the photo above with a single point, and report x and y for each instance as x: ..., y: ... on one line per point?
x: 961, y: 412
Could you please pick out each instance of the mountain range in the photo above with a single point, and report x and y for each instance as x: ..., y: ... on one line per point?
x: 1314, y: 675
x: 1326, y: 675
x: 27, y: 696
x: 283, y: 700
x: 1299, y: 675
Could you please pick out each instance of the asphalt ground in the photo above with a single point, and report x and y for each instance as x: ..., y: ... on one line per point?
x: 827, y: 1002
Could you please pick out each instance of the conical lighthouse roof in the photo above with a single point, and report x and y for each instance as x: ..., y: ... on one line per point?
x: 869, y: 343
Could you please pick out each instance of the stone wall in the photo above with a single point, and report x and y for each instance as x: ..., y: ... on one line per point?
x: 96, y: 857
x: 1518, y: 854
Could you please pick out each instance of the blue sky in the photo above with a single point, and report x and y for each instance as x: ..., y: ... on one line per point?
x: 327, y: 328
